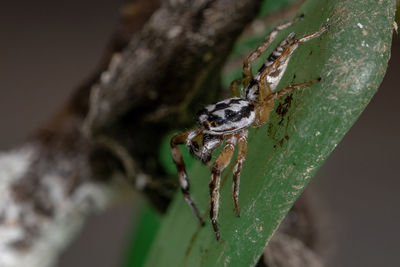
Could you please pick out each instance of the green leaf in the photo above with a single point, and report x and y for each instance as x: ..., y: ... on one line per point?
x: 285, y: 153
x: 269, y: 7
x: 142, y: 238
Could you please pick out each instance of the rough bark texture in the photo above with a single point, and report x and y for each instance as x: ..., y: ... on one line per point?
x: 152, y: 75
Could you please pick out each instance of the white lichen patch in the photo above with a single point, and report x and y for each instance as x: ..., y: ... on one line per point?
x: 14, y: 164
x: 51, y: 233
x: 174, y: 32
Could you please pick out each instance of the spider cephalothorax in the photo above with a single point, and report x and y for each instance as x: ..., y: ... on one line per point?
x: 229, y: 119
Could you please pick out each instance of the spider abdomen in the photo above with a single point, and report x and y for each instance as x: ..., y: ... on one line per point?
x: 227, y: 116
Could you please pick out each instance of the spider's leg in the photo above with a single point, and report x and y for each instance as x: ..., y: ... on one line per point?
x: 292, y: 87
x: 179, y: 139
x: 263, y: 109
x: 247, y: 73
x: 271, y: 76
x: 260, y: 87
x: 219, y: 165
x: 235, y: 87
x: 313, y: 35
x: 241, y: 157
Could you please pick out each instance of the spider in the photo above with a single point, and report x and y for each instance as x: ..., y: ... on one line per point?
x: 229, y: 119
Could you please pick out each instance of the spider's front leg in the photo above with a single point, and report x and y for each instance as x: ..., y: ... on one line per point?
x: 179, y: 139
x: 215, y: 182
x: 272, y: 75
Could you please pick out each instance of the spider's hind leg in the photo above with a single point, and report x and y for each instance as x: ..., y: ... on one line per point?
x: 263, y: 110
x: 292, y: 87
x: 270, y: 77
x: 179, y: 139
x: 247, y: 73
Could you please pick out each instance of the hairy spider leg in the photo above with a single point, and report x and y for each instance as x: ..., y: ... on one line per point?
x: 240, y: 159
x: 246, y: 72
x: 273, y: 69
x: 253, y: 91
x: 179, y: 139
x: 292, y: 87
x: 272, y: 75
x: 263, y: 110
x: 215, y: 182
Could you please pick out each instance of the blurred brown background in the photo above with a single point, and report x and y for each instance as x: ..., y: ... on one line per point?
x: 48, y: 48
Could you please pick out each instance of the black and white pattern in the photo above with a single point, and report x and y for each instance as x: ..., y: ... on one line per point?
x: 227, y: 116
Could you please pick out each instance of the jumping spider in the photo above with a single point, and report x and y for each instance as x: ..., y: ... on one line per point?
x: 229, y: 119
